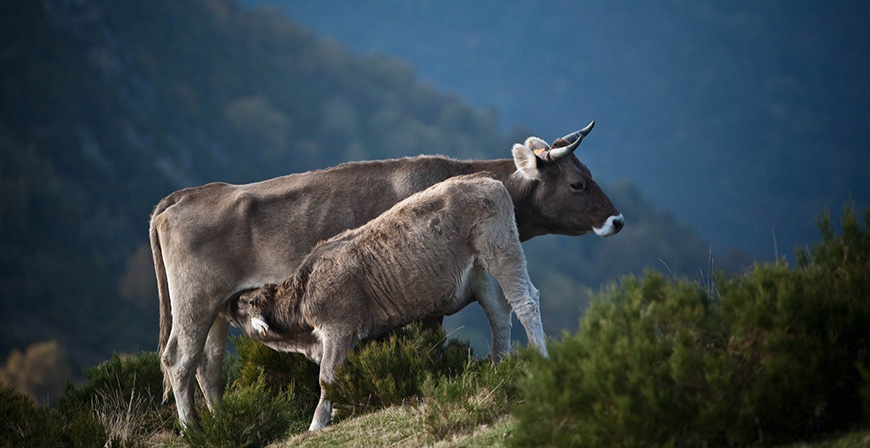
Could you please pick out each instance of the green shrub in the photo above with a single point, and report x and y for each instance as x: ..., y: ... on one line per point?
x: 772, y: 356
x: 478, y: 396
x: 249, y: 416
x: 280, y: 372
x: 389, y: 371
x: 24, y: 424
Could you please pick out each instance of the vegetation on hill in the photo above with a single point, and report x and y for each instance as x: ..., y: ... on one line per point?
x: 771, y: 357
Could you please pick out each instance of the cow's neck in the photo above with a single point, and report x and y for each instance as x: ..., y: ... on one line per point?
x: 520, y: 189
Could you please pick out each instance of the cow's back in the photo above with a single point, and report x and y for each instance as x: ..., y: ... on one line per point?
x: 247, y: 235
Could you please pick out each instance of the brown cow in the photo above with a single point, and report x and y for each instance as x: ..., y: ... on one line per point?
x: 426, y: 256
x: 211, y: 242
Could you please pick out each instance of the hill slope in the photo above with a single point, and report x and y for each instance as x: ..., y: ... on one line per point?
x: 724, y: 112
x: 109, y: 106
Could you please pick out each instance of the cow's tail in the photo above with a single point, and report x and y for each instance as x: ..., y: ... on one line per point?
x: 162, y: 291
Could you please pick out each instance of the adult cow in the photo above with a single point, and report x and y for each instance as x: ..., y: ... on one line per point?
x: 212, y: 242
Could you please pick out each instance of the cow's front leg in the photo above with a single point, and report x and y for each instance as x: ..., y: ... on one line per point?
x: 335, y: 350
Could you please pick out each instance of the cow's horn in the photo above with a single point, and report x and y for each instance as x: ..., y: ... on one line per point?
x: 573, y: 140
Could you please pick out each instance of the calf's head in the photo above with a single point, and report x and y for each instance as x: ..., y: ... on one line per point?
x: 254, y: 308
x: 559, y: 193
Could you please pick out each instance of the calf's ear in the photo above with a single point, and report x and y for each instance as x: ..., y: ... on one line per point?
x: 269, y: 290
x: 526, y: 162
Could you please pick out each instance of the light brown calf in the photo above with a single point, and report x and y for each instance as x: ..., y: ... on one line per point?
x: 430, y: 255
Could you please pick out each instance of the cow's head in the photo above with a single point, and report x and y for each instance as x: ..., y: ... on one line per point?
x: 559, y: 193
x: 256, y: 307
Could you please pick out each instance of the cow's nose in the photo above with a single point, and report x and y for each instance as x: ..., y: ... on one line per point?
x: 618, y: 223
x: 613, y: 225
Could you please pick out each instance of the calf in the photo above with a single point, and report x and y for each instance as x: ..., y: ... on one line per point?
x: 429, y: 255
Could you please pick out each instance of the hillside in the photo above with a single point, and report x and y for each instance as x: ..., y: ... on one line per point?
x: 109, y: 106
x: 775, y: 356
x: 722, y: 111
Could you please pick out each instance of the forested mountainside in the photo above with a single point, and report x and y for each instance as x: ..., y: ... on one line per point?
x: 105, y: 107
x: 741, y: 117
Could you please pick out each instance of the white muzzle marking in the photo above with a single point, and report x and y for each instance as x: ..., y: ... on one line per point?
x: 260, y: 325
x: 612, y: 226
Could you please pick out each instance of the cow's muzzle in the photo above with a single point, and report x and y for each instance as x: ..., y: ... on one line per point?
x: 612, y: 226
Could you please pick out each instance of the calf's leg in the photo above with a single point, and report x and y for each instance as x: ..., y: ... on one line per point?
x: 491, y: 298
x: 335, y: 348
x: 528, y: 310
x: 503, y: 256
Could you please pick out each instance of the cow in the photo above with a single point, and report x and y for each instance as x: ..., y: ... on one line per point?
x: 212, y: 242
x: 431, y: 254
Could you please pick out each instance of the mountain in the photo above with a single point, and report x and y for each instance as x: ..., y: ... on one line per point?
x: 744, y: 118
x: 109, y: 106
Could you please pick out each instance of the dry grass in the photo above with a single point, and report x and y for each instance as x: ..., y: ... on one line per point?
x: 129, y: 422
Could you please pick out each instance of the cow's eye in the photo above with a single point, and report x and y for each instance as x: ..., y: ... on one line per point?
x: 578, y: 186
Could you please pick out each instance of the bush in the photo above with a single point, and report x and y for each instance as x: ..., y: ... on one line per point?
x: 771, y: 356
x: 249, y: 416
x: 280, y: 372
x: 389, y: 371
x: 23, y: 423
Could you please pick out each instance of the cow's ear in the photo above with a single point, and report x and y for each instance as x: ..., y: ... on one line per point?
x: 526, y: 162
x: 536, y: 144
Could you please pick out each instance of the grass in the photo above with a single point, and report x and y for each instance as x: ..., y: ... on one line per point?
x: 398, y: 426
x: 854, y: 439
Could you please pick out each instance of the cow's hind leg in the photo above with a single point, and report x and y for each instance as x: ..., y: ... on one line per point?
x: 210, y: 371
x: 335, y: 348
x: 191, y: 321
x: 180, y: 359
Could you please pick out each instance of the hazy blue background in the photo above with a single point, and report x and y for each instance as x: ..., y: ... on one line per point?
x: 744, y: 118
x: 718, y: 124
